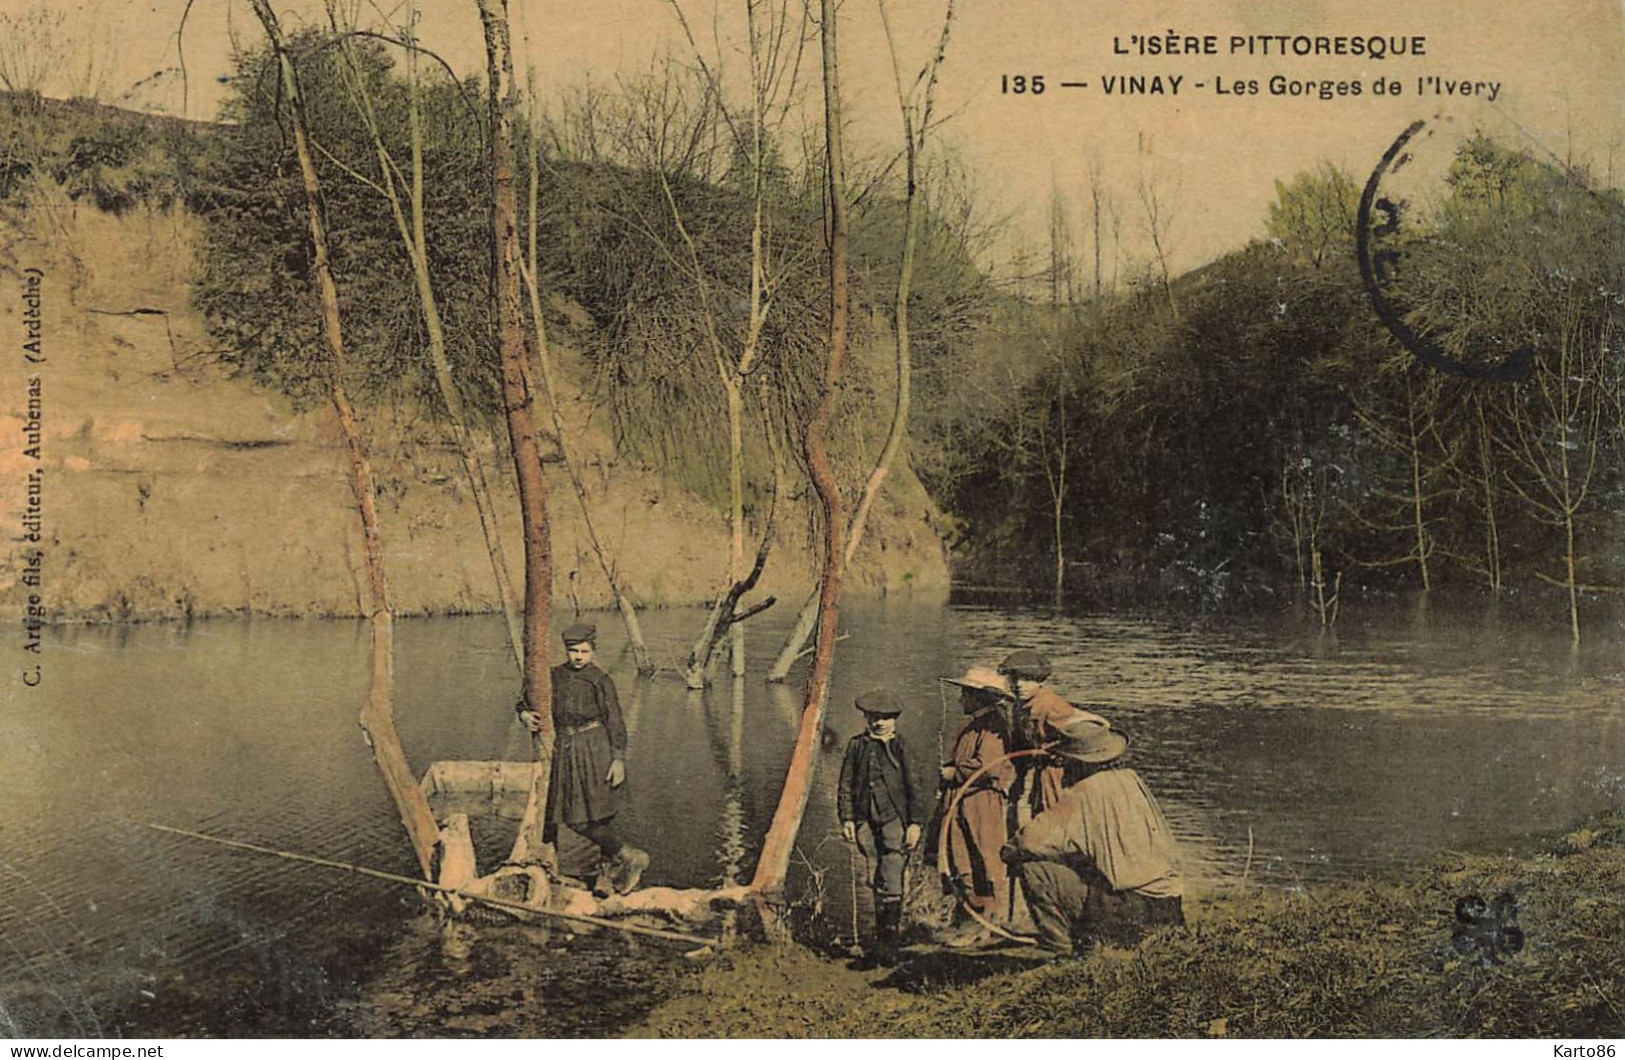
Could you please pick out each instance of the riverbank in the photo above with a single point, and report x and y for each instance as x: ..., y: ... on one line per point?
x: 1347, y: 759
x: 168, y: 486
x: 1370, y: 959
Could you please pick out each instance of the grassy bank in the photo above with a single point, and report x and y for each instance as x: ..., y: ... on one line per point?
x: 1366, y: 959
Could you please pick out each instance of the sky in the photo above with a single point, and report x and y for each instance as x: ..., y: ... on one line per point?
x: 1557, y: 67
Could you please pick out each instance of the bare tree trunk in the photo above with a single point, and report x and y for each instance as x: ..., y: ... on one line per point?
x: 377, y: 717
x: 1095, y: 194
x: 774, y: 864
x: 378, y: 728
x: 1567, y: 510
x: 1325, y: 606
x: 1296, y: 513
x: 732, y: 386
x: 773, y: 75
x: 479, y: 488
x: 1563, y: 465
x: 1418, y: 522
x: 415, y: 240
x: 914, y: 137
x: 1492, y: 535
x: 1057, y: 504
x: 1157, y: 223
x: 725, y: 619
x: 1055, y: 479
x: 725, y: 612
x: 1571, y: 582
x: 544, y: 364
x: 517, y: 395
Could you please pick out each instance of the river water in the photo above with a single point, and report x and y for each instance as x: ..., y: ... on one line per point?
x: 1277, y: 751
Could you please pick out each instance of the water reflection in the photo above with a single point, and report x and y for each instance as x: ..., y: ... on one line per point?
x: 1401, y: 734
x: 725, y: 730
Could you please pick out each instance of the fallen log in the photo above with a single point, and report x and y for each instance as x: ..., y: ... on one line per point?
x: 465, y: 894
x: 461, y: 788
x: 478, y: 788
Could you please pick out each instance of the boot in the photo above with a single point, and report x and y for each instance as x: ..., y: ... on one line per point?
x: 967, y: 936
x: 627, y: 871
x: 971, y: 933
x: 881, y: 951
x: 888, y: 928
x: 998, y: 907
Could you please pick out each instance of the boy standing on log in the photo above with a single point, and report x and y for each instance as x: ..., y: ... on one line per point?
x: 589, y: 760
x: 877, y: 790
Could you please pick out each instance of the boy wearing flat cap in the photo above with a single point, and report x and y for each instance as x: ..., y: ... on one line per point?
x: 589, y: 760
x: 1099, y: 864
x: 877, y: 791
x: 1042, y: 713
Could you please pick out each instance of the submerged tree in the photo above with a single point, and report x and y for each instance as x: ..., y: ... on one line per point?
x: 377, y: 718
x: 1409, y: 432
x: 773, y: 51
x: 696, y: 250
x: 396, y: 185
x: 618, y: 589
x: 1525, y: 255
x: 915, y: 103
x: 774, y: 862
x: 518, y: 398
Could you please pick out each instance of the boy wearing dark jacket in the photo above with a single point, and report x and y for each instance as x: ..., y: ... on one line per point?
x: 877, y: 791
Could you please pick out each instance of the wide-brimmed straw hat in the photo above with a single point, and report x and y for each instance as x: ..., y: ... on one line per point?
x: 1089, y: 741
x: 980, y: 679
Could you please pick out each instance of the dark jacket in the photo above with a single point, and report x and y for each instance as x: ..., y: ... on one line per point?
x: 591, y: 735
x: 583, y: 696
x: 876, y: 785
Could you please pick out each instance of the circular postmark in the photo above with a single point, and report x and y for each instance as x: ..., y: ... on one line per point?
x: 1380, y: 252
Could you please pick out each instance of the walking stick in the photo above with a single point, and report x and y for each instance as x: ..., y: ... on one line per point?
x: 852, y: 862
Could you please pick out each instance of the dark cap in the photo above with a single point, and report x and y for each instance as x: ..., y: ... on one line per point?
x: 881, y: 701
x: 1026, y: 665
x: 1089, y: 741
x: 580, y: 633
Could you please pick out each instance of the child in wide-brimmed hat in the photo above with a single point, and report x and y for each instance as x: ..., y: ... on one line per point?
x: 877, y: 792
x: 979, y: 774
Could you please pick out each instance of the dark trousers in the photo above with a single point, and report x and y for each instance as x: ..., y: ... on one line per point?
x: 883, y: 845
x: 602, y: 834
x: 1073, y: 908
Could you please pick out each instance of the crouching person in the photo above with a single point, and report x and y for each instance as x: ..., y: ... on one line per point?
x: 1099, y: 864
x: 879, y: 807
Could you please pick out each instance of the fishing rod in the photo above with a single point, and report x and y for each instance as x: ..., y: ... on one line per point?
x: 499, y: 903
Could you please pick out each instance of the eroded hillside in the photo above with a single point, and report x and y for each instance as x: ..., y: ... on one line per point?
x: 171, y: 488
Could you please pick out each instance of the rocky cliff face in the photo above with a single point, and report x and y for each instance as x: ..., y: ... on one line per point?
x: 168, y: 489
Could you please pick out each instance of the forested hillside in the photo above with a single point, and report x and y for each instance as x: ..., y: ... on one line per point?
x: 1252, y: 430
